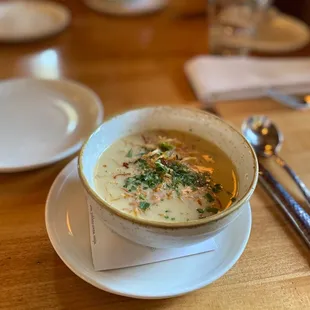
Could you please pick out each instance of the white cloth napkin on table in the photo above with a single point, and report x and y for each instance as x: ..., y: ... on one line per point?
x: 216, y: 78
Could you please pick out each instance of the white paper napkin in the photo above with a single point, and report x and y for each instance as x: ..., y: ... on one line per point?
x: 111, y: 251
x: 224, y: 78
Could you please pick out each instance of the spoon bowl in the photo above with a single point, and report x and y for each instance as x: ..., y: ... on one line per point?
x: 263, y: 135
x: 267, y: 139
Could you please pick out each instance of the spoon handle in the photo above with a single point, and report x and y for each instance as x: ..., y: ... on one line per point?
x: 290, y: 204
x: 301, y: 185
x: 291, y: 101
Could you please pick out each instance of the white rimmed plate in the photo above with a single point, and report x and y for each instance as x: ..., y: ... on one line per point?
x: 22, y: 21
x: 43, y: 121
x: 66, y: 218
x: 281, y: 33
x: 276, y: 33
x: 126, y: 7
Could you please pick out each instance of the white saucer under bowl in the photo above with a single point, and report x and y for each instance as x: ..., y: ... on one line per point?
x: 126, y: 7
x: 23, y: 21
x: 66, y: 218
x: 43, y: 121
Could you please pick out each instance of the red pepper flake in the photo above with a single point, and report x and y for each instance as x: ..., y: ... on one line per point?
x: 199, y: 202
x: 121, y: 174
x: 126, y: 165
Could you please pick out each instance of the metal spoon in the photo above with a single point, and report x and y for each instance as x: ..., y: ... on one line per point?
x: 267, y: 140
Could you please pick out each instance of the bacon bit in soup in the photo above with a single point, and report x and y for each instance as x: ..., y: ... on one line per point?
x: 204, y: 169
x: 121, y: 174
x: 189, y: 159
x: 208, y: 159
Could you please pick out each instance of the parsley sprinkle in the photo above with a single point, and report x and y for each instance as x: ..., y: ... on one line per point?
x: 161, y: 170
x: 160, y: 167
x: 165, y: 146
x: 209, y: 197
x: 212, y: 210
x: 217, y: 188
x: 143, y: 205
x: 142, y: 197
x: 129, y: 154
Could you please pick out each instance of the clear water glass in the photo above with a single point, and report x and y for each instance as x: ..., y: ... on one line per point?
x: 232, y: 25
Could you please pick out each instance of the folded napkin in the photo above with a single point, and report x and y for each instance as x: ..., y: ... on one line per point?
x: 227, y: 78
x: 111, y: 251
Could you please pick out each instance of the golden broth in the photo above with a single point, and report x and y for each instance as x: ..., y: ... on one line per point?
x: 166, y: 176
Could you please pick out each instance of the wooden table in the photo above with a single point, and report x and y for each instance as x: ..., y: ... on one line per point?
x: 131, y: 62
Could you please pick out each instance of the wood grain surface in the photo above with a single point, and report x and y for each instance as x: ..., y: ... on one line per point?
x: 131, y: 62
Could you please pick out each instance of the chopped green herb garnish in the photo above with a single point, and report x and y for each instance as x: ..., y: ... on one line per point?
x: 142, y: 164
x: 143, y: 205
x: 209, y: 197
x: 142, y: 197
x: 129, y: 154
x: 160, y: 167
x: 149, y: 179
x: 217, y: 188
x: 212, y: 210
x: 145, y: 151
x: 165, y: 146
x: 168, y: 171
x: 182, y: 175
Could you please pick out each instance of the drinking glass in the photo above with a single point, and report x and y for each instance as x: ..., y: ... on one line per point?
x: 232, y: 25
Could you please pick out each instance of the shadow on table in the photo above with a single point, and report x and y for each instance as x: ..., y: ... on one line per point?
x: 73, y: 293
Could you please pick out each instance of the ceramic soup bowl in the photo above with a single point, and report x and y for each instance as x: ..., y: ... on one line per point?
x: 202, y: 124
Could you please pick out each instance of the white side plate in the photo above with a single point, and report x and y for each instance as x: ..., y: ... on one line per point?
x: 22, y: 21
x: 43, y: 121
x: 282, y: 33
x: 66, y: 218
